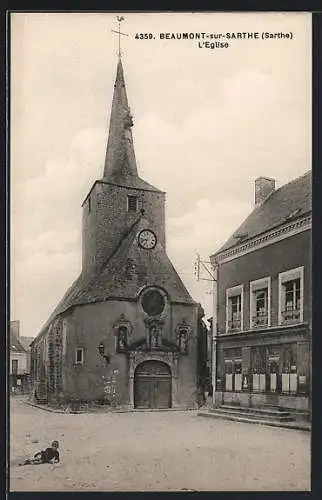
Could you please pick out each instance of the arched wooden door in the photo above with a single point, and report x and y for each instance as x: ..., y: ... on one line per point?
x: 152, y: 385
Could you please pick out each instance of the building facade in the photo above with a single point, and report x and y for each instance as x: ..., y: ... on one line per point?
x: 19, y: 362
x: 127, y: 332
x: 263, y: 317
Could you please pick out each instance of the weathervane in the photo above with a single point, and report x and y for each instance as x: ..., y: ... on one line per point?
x: 119, y: 19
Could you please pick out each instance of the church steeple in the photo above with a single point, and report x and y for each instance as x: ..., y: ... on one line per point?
x: 120, y: 159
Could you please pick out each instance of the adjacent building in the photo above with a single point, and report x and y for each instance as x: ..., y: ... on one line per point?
x: 19, y: 368
x: 127, y: 332
x: 263, y: 313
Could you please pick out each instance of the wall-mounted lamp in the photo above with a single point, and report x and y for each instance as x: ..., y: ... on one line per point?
x: 101, y: 350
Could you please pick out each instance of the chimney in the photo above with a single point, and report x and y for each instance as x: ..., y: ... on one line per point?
x: 14, y: 327
x: 264, y: 187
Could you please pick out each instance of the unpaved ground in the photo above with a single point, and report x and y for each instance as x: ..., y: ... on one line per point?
x: 155, y: 451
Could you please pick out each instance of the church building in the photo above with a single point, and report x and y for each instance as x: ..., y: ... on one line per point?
x: 127, y: 332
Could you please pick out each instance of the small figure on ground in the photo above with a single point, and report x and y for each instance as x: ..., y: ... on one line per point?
x: 48, y: 456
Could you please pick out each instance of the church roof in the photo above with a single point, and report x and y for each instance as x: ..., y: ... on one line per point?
x: 126, y: 272
x: 120, y: 162
x: 290, y: 201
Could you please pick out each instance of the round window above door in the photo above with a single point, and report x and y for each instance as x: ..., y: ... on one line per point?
x: 153, y: 302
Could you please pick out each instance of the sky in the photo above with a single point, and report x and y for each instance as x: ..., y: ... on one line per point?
x: 207, y: 123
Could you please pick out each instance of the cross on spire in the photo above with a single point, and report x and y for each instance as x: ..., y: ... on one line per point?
x: 119, y: 19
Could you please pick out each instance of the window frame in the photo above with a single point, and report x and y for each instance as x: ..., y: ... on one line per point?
x: 16, y: 363
x: 230, y: 293
x: 284, y: 277
x: 79, y: 349
x: 255, y: 286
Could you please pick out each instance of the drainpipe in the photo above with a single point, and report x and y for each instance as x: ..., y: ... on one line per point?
x: 214, y: 333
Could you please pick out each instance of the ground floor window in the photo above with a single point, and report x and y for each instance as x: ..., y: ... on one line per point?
x: 258, y: 366
x: 233, y: 369
x: 274, y: 369
x: 289, y: 369
x: 277, y: 369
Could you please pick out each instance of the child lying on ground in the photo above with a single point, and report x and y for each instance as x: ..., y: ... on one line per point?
x: 48, y: 456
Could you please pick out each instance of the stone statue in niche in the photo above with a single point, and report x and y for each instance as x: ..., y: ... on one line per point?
x: 154, y: 335
x: 122, y: 338
x: 182, y: 339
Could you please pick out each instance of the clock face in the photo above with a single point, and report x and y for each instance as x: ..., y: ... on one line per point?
x: 147, y: 239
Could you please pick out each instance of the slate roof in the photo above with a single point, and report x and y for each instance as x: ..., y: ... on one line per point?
x: 26, y: 341
x: 132, y: 181
x: 15, y: 344
x: 291, y: 201
x: 128, y: 270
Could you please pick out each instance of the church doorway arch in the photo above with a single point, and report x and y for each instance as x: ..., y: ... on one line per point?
x: 152, y: 385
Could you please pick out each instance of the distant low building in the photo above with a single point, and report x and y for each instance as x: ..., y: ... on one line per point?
x: 19, y: 359
x: 263, y: 316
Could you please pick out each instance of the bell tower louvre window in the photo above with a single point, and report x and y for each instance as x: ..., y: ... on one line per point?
x: 132, y: 203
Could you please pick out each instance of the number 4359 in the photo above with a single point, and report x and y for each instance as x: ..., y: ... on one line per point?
x: 144, y: 36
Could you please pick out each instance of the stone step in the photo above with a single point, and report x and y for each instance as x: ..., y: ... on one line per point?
x: 269, y: 410
x: 42, y: 401
x: 283, y: 417
x: 288, y: 425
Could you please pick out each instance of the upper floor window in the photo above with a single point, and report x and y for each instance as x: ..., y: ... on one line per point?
x: 132, y: 203
x: 89, y: 205
x: 260, y: 298
x: 291, y: 296
x: 234, y: 308
x: 14, y: 366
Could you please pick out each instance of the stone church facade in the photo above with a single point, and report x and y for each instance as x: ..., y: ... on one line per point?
x: 127, y: 332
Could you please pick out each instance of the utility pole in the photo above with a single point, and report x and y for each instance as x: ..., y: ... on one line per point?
x: 211, y: 272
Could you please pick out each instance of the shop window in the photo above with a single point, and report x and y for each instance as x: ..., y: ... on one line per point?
x: 260, y: 292
x: 289, y: 369
x: 234, y: 309
x: 291, y: 296
x: 79, y: 355
x: 233, y: 369
x: 122, y: 338
x: 258, y: 368
x: 273, y: 365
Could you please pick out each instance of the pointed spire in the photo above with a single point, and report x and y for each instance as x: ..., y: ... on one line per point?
x: 120, y: 159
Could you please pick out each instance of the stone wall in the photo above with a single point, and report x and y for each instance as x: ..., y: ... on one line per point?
x: 107, y: 219
x: 90, y: 325
x: 284, y: 255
